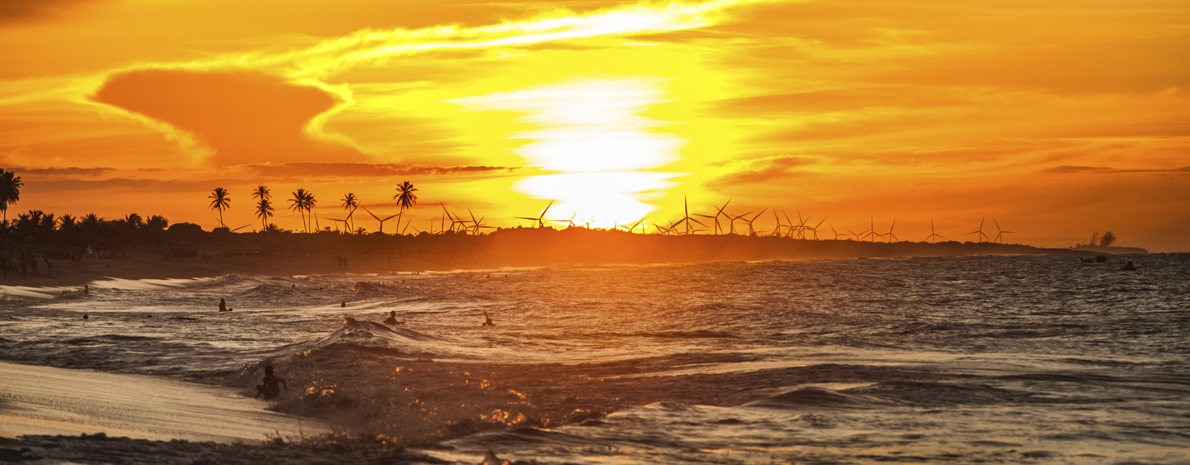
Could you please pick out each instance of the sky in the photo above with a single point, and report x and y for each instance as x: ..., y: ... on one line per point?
x: 1050, y: 119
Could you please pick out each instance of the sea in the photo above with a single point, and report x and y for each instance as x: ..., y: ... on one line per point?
x: 988, y: 359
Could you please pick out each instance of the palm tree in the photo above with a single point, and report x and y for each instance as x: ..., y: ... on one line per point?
x: 264, y: 208
x: 220, y: 201
x: 10, y: 190
x: 298, y: 204
x: 264, y: 211
x: 405, y: 199
x: 350, y: 203
x: 303, y: 201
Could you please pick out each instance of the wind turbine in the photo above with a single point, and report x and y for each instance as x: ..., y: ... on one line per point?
x: 891, y: 237
x: 933, y: 237
x: 979, y: 231
x: 687, y: 219
x: 871, y: 232
x: 815, y: 228
x: 634, y: 225
x: 1000, y: 232
x: 836, y: 232
x: 377, y: 218
x: 540, y: 219
x: 751, y: 231
x: 718, y: 229
x: 777, y: 230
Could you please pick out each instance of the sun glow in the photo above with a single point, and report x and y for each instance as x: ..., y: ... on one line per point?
x: 592, y: 136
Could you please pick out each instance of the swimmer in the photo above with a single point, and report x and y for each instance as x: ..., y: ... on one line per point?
x: 487, y: 320
x: 392, y: 319
x: 222, y: 305
x: 272, y: 385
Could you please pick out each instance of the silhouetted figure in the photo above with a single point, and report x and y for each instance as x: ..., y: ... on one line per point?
x: 33, y: 263
x: 272, y: 385
x: 222, y: 305
x: 84, y: 316
x: 343, y: 305
x: 49, y: 268
x: 487, y: 320
x: 86, y: 289
x: 1129, y: 266
x: 392, y: 319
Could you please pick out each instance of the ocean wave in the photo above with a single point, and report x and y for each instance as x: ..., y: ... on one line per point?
x: 375, y: 337
x: 813, y: 397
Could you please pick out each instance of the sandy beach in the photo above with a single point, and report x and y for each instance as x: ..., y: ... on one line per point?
x: 38, y: 400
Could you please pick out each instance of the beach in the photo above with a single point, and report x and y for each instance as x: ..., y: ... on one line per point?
x: 929, y: 359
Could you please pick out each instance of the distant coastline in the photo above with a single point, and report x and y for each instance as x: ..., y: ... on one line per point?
x: 207, y: 254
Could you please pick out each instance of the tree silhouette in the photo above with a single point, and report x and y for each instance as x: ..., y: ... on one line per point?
x: 264, y: 211
x: 350, y: 203
x: 303, y: 201
x: 264, y: 208
x: 298, y: 204
x: 405, y: 199
x: 220, y: 200
x: 1107, y: 239
x: 10, y: 190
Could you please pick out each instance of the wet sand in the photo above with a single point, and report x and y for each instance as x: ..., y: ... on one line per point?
x: 38, y: 400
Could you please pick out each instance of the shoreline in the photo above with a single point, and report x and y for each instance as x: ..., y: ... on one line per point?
x: 287, y: 254
x: 41, y: 400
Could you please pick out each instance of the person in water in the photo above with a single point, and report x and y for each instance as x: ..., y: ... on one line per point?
x: 392, y: 319
x: 272, y: 385
x: 222, y: 305
x: 487, y: 319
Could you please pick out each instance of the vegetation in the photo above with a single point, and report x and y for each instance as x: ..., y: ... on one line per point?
x: 10, y: 190
x: 350, y: 203
x: 220, y: 200
x: 264, y: 208
x: 303, y: 202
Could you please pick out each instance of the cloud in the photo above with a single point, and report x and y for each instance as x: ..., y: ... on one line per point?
x: 350, y: 170
x: 244, y: 116
x: 1074, y: 169
x: 12, y: 11
x: 763, y: 170
x: 71, y: 171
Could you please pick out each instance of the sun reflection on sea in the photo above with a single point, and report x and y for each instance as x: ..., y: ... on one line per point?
x: 591, y: 135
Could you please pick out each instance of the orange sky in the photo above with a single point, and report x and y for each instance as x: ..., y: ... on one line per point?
x: 1056, y: 118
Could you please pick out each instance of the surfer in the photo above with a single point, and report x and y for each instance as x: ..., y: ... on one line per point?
x: 487, y: 319
x: 1129, y: 266
x: 392, y: 319
x: 222, y: 305
x: 272, y: 385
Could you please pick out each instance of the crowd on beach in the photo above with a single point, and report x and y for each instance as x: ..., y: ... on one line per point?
x: 25, y: 263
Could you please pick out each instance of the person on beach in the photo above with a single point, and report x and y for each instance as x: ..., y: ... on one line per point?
x: 272, y: 385
x: 392, y: 319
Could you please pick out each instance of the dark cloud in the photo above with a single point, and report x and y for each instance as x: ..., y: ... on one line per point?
x: 1073, y: 169
x: 71, y: 171
x: 350, y: 170
x: 1068, y: 169
x: 765, y: 170
x: 13, y: 11
x: 246, y: 117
